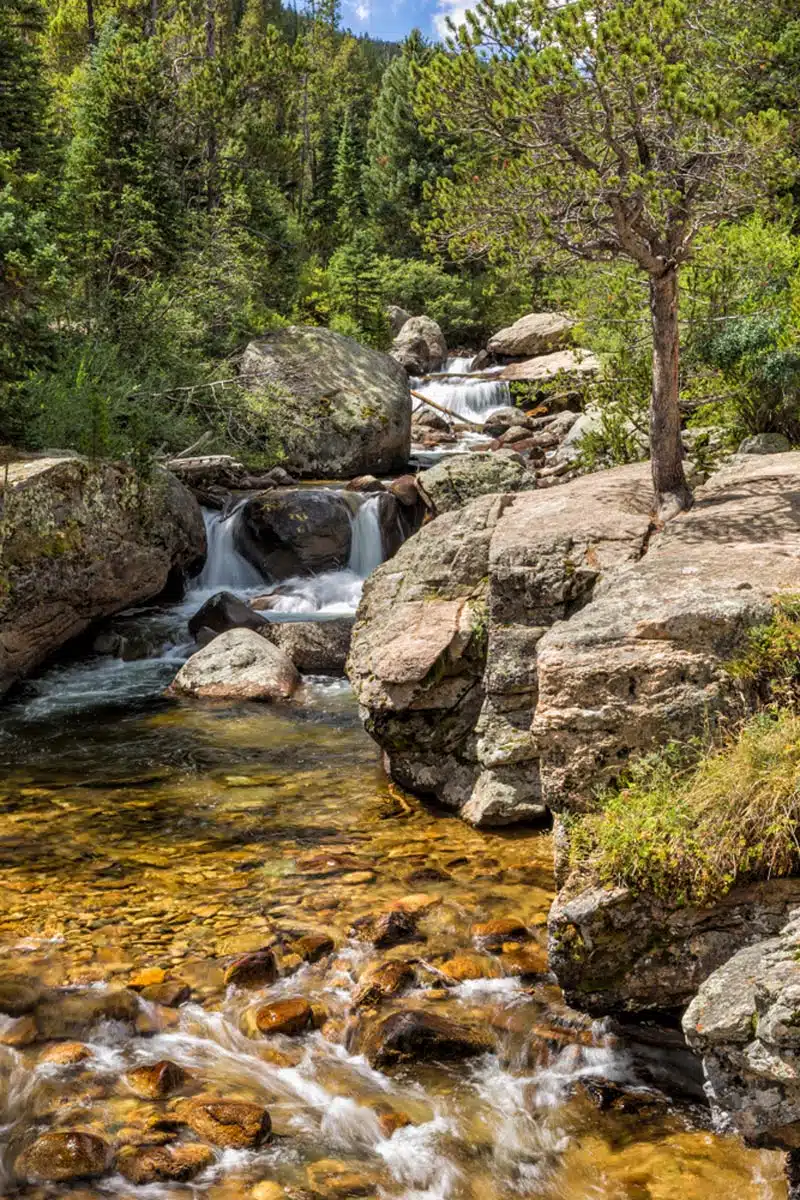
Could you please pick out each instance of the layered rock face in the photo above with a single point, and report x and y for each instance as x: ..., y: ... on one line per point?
x: 647, y: 661
x: 80, y: 541
x: 646, y: 664
x: 745, y: 1022
x: 345, y: 410
x: 444, y: 654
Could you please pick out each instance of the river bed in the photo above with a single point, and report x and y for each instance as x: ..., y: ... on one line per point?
x: 148, y: 843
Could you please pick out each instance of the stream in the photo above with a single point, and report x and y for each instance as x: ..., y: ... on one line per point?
x: 149, y: 842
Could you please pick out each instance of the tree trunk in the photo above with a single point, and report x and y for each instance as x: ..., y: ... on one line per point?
x: 211, y: 140
x: 666, y: 452
x: 90, y: 24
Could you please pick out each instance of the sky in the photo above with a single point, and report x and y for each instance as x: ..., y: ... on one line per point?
x: 393, y: 19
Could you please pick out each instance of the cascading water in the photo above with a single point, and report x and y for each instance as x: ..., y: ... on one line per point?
x: 465, y: 395
x: 366, y: 553
x: 225, y: 567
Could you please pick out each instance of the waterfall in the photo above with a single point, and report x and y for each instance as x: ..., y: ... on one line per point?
x: 366, y: 550
x: 225, y: 567
x: 471, y: 398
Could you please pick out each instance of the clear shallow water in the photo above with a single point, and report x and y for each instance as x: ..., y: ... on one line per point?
x: 141, y: 833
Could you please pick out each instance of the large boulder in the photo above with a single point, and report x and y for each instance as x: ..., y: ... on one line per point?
x: 444, y: 653
x: 315, y: 647
x: 420, y: 346
x: 80, y: 542
x: 534, y: 334
x: 745, y: 1022
x: 238, y: 665
x: 296, y: 531
x: 342, y: 409
x: 575, y: 363
x: 454, y: 482
x: 221, y: 613
x: 647, y: 662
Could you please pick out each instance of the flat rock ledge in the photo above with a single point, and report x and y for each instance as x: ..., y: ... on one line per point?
x: 745, y: 1022
x: 444, y: 651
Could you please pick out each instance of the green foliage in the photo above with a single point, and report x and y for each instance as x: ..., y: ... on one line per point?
x: 686, y: 829
x: 770, y: 661
x: 356, y: 292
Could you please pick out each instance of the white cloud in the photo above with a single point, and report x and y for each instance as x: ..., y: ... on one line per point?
x: 455, y: 9
x: 361, y: 10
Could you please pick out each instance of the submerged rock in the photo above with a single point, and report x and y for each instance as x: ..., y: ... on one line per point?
x: 296, y: 531
x: 257, y: 969
x: 63, y: 1155
x: 230, y: 1124
x: 382, y: 981
x: 238, y: 665
x: 82, y: 541
x: 534, y: 334
x: 142, y: 1165
x: 19, y: 995
x: 157, y: 1080
x: 71, y: 1014
x: 342, y: 409
x: 416, y: 1035
x: 420, y: 346
x: 454, y: 482
x: 291, y: 1016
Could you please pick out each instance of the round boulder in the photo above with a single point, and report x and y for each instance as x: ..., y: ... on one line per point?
x: 536, y: 333
x: 63, y: 1155
x: 296, y: 531
x: 420, y: 346
x: 340, y: 409
x: 238, y: 665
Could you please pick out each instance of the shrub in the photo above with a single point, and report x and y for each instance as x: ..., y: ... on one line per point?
x: 686, y: 829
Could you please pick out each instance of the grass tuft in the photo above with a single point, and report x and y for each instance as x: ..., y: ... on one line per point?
x: 687, y: 826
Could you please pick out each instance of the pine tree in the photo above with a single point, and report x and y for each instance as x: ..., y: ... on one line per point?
x: 400, y: 159
x: 347, y: 182
x: 28, y: 164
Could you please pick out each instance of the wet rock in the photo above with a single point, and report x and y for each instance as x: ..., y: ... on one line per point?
x: 82, y: 541
x: 464, y: 967
x: 258, y: 969
x: 19, y: 995
x: 238, y: 665
x: 415, y: 1035
x: 268, y: 1190
x: 315, y: 647
x: 420, y: 346
x: 492, y: 934
x: 313, y: 947
x: 405, y: 491
x: 70, y: 1015
x: 18, y: 1031
x: 382, y: 981
x: 348, y: 407
x: 171, y: 993
x: 66, y: 1054
x: 615, y: 1097
x: 232, y: 1124
x: 63, y: 1155
x: 428, y: 418
x: 533, y: 334
x: 527, y: 960
x: 297, y: 531
x: 289, y: 1017
x: 157, y: 1080
x: 391, y: 1121
x: 147, y: 977
x: 386, y: 929
x: 367, y: 484
x: 453, y: 483
x: 164, y: 1164
x: 223, y: 612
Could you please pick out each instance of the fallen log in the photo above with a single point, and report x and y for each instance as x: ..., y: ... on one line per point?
x: 478, y: 428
